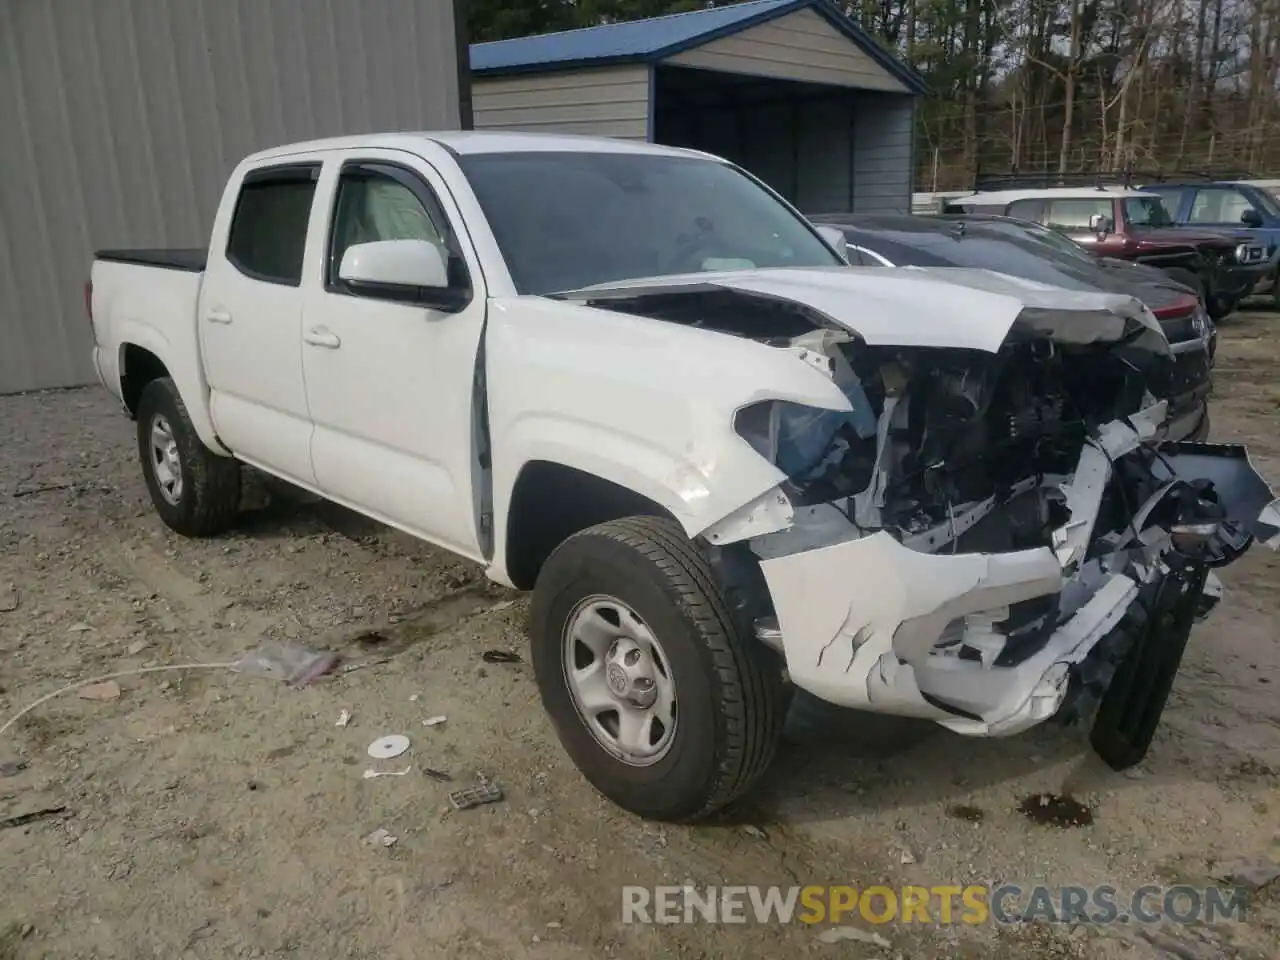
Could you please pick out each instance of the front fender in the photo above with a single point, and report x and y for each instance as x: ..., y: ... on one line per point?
x: 645, y: 404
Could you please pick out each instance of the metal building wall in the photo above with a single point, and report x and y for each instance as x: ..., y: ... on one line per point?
x: 600, y: 101
x: 120, y: 120
x: 883, y: 152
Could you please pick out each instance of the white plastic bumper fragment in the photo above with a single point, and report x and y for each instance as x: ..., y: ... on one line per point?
x: 843, y: 608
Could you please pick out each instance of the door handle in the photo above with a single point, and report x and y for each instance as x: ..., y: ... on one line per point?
x: 218, y: 316
x: 322, y: 337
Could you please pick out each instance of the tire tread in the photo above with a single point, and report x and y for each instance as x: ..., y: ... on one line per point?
x: 752, y: 698
x: 212, y: 481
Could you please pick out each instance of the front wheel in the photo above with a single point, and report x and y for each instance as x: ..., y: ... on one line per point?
x: 195, y: 491
x: 654, y: 693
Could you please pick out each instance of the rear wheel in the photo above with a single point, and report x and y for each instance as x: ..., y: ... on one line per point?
x: 656, y: 696
x: 195, y: 491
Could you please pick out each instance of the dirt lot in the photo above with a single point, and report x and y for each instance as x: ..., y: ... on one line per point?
x: 211, y: 814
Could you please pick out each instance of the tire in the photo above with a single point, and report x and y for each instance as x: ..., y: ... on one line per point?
x: 729, y: 699
x: 206, y: 497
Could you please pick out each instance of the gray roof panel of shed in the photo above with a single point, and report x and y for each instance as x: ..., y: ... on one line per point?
x: 647, y: 41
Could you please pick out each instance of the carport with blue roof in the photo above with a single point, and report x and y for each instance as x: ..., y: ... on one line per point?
x: 792, y: 90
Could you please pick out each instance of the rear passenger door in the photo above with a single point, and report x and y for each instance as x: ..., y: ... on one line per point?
x: 250, y: 319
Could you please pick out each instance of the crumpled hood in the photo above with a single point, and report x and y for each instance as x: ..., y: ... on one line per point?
x: 919, y: 306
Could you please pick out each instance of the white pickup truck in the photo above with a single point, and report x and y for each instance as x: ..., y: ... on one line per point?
x: 637, y: 382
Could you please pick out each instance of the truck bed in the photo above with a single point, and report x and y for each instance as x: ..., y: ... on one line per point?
x: 191, y: 259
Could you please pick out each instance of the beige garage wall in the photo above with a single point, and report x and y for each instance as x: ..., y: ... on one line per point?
x: 598, y: 102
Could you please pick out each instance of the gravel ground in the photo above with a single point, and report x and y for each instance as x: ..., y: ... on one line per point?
x: 213, y: 814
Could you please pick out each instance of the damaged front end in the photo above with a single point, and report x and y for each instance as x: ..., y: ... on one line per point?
x: 989, y: 539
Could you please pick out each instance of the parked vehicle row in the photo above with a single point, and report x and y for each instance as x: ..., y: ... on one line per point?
x: 1035, y: 253
x: 637, y: 382
x: 1223, y: 266
x: 1229, y: 205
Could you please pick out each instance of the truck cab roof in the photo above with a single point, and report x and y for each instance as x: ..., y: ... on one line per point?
x: 475, y: 142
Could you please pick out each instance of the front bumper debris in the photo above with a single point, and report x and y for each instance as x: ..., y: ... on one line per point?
x: 874, y: 624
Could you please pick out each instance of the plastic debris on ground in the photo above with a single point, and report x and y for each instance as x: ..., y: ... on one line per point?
x: 434, y: 721
x: 439, y: 775
x: 500, y: 656
x: 381, y: 838
x: 287, y: 661
x: 374, y: 774
x: 344, y: 718
x: 101, y: 692
x: 836, y: 934
x: 476, y: 795
x: 389, y: 747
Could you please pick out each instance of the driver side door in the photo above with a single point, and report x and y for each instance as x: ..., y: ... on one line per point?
x: 391, y: 384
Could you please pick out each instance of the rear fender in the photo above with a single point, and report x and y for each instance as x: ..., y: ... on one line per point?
x: 187, y: 376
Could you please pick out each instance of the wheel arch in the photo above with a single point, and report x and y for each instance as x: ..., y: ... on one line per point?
x: 138, y: 367
x: 144, y: 354
x: 550, y: 502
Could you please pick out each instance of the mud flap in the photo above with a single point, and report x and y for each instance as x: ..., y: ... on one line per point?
x: 1130, y: 710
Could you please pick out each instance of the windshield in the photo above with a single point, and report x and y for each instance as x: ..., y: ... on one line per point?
x: 569, y: 220
x: 1146, y: 212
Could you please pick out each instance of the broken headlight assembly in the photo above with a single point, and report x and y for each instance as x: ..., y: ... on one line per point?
x: 824, y: 453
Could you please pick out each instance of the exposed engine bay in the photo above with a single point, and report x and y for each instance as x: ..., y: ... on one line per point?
x: 986, y: 538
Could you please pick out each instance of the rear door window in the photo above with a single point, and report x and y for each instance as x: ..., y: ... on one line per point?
x: 268, y: 235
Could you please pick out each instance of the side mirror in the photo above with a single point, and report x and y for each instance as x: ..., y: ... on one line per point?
x: 411, y: 271
x: 1101, y: 224
x: 1251, y: 218
x: 835, y: 240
